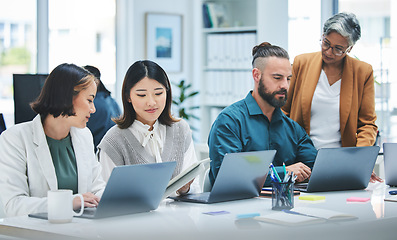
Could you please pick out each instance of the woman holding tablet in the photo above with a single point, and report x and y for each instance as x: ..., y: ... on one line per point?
x: 146, y: 132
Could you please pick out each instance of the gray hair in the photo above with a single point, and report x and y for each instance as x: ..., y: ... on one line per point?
x: 346, y: 24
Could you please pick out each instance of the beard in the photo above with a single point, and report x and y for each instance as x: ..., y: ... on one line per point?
x: 270, y: 97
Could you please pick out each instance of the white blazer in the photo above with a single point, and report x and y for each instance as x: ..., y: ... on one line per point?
x: 27, y: 171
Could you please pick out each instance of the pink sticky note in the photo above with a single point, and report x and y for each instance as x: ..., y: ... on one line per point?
x: 358, y: 199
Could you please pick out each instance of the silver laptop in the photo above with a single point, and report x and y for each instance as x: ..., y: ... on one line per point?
x: 345, y: 168
x: 130, y: 189
x: 240, y: 176
x: 390, y: 161
x: 133, y: 189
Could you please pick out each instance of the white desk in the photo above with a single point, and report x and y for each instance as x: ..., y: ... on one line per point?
x: 377, y: 219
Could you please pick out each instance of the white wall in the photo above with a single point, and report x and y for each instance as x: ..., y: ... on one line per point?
x: 136, y: 47
x: 275, y: 13
x: 130, y: 38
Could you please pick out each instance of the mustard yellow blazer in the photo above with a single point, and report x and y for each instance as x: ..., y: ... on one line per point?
x: 357, y: 98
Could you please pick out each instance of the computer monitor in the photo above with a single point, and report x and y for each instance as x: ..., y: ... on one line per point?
x: 27, y: 88
x: 2, y: 123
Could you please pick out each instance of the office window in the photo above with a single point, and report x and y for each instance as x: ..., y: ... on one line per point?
x: 74, y: 26
x: 17, y: 51
x: 98, y: 42
x: 304, y: 30
x: 376, y: 47
x: 14, y: 29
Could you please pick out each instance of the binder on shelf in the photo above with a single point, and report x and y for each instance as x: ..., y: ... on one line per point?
x: 227, y: 75
x: 230, y: 50
x: 217, y: 14
x: 211, y: 49
x: 206, y: 17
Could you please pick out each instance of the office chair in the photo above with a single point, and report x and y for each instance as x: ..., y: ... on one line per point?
x: 2, y: 123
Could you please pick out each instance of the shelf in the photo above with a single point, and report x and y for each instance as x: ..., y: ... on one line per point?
x: 229, y: 69
x: 215, y: 105
x: 226, y: 71
x: 229, y: 30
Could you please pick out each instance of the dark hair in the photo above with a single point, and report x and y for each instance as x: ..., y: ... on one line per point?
x: 97, y: 74
x: 346, y: 24
x: 136, y: 72
x: 265, y: 50
x: 64, y: 83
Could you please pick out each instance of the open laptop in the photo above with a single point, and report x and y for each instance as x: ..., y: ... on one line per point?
x: 240, y: 176
x: 133, y: 189
x: 130, y: 189
x: 390, y: 161
x: 345, y: 168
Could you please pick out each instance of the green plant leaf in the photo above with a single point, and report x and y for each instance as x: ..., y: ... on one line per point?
x: 192, y: 94
x: 179, y: 101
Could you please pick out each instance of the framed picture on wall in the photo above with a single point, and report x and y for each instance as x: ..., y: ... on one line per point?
x: 164, y: 40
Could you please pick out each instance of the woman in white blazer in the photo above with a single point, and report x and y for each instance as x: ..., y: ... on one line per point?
x: 55, y: 150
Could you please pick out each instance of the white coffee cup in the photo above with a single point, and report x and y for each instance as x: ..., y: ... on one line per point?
x: 60, y: 206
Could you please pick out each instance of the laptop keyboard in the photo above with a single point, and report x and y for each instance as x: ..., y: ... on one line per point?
x: 201, y: 197
x: 88, y: 212
x: 300, y: 186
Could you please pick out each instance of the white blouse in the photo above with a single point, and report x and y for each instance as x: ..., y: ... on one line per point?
x: 153, y: 142
x: 325, y: 117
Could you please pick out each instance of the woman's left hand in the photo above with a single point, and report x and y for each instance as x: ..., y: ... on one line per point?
x: 375, y: 178
x: 185, y: 189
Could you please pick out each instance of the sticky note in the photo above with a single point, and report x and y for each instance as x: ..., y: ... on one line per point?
x: 311, y: 197
x: 358, y: 199
x: 247, y: 215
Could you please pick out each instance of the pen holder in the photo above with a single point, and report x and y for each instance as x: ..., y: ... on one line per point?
x: 282, y: 195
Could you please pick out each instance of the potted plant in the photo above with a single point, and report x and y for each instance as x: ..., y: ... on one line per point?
x: 180, y: 101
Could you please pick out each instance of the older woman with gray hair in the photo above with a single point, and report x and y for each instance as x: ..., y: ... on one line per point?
x: 331, y: 94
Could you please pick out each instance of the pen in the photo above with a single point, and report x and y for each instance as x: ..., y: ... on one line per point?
x: 302, y: 214
x: 273, y: 179
x: 293, y: 177
x: 271, y: 174
x: 286, y: 177
x: 275, y: 172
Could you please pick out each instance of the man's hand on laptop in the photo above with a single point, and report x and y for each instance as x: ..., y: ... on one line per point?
x: 300, y: 170
x: 90, y: 200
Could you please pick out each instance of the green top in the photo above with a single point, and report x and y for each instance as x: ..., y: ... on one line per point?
x: 64, y: 161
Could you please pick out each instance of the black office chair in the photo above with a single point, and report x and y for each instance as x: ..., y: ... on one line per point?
x: 2, y: 123
x: 377, y: 140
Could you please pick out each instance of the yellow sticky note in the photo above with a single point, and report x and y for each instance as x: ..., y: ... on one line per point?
x: 311, y: 197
